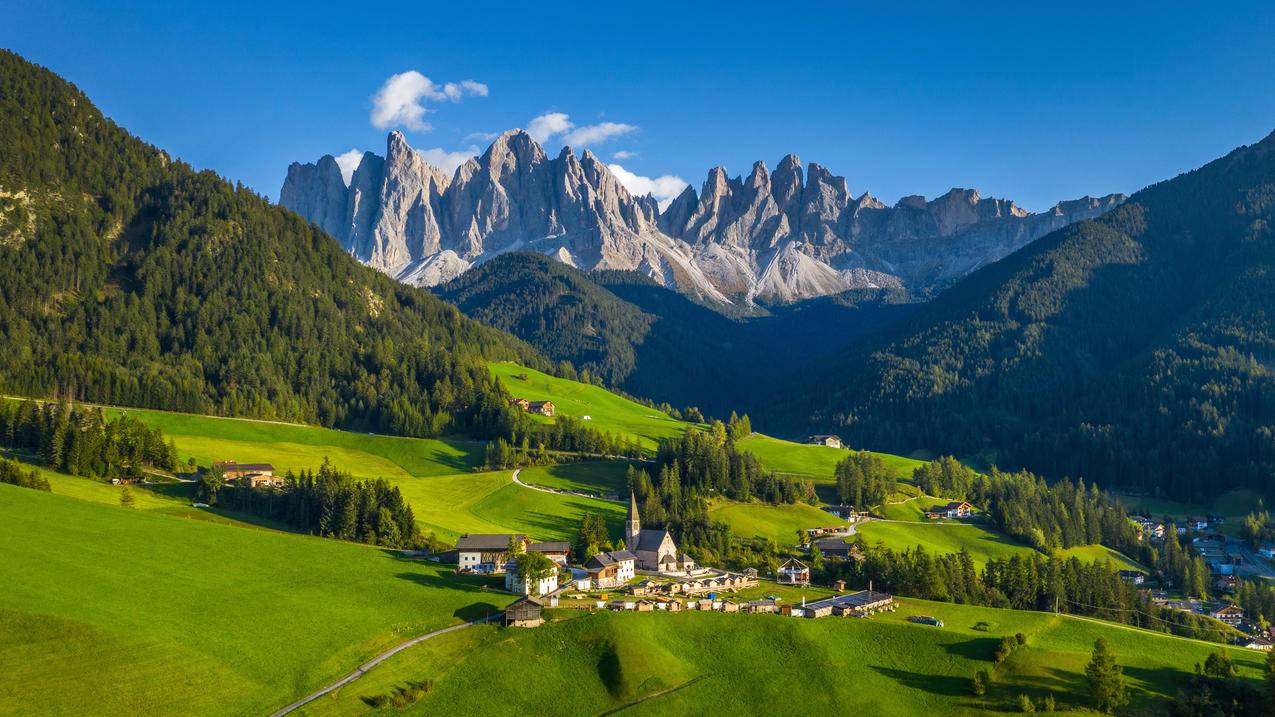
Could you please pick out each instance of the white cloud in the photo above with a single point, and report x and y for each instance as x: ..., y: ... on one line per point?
x: 665, y: 189
x: 401, y: 100
x: 552, y: 124
x: 624, y: 154
x: 348, y: 162
x: 447, y: 161
x: 597, y: 133
x: 547, y: 125
x: 484, y: 136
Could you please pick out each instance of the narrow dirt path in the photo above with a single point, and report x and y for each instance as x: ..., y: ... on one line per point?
x: 362, y: 669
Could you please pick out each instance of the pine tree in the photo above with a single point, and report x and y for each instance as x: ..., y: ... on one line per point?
x: 1106, y: 678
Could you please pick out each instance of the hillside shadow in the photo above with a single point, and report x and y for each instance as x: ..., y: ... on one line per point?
x: 947, y: 685
x: 445, y: 581
x: 476, y: 611
x: 979, y: 648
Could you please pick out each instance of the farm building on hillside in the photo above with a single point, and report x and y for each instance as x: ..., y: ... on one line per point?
x: 524, y: 613
x: 252, y: 475
x: 544, y: 408
x: 838, y: 548
x: 864, y: 602
x: 1135, y: 577
x: 489, y: 552
x: 845, y: 512
x: 793, y: 572
x: 520, y: 403
x: 829, y: 441
x: 954, y: 509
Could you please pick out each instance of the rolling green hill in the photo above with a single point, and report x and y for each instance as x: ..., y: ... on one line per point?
x: 817, y: 462
x: 125, y: 611
x: 691, y: 663
x: 606, y: 411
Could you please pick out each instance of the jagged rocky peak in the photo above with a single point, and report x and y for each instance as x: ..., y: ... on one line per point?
x: 772, y: 236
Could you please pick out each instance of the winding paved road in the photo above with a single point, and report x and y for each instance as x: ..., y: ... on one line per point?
x: 362, y: 669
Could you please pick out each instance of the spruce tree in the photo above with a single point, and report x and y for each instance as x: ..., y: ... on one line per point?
x: 1106, y: 678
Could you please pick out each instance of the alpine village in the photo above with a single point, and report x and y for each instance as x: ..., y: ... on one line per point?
x: 516, y: 430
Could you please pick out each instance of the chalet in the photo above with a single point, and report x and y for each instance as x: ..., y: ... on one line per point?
x: 544, y: 408
x: 1230, y: 614
x: 483, y: 552
x: 1148, y: 529
x: 655, y: 550
x: 845, y: 512
x: 524, y: 613
x: 489, y: 552
x: 611, y: 569
x: 557, y: 551
x: 230, y: 470
x: 520, y: 403
x: 261, y: 480
x: 1134, y: 577
x: 829, y: 441
x: 515, y: 583
x: 1226, y: 583
x: 838, y: 549
x: 957, y: 509
x: 793, y: 572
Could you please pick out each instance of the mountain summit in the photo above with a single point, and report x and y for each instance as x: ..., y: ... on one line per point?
x: 776, y: 237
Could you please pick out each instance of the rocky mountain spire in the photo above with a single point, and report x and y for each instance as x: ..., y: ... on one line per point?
x: 776, y: 236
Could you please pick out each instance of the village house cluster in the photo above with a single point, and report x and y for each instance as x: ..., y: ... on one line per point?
x: 673, y: 582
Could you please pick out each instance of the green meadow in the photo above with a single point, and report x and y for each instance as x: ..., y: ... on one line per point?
x: 982, y: 542
x: 702, y: 663
x: 292, y: 446
x: 816, y: 462
x: 598, y: 477
x: 492, y: 503
x: 607, y: 411
x: 112, y: 610
x: 779, y: 523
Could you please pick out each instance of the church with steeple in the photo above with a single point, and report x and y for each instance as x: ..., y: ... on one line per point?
x: 655, y: 549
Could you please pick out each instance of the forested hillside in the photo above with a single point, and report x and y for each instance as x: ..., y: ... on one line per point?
x: 129, y: 278
x: 631, y: 333
x: 1135, y: 349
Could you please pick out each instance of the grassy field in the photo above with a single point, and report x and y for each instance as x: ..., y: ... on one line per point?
x: 607, y: 411
x: 779, y: 523
x: 599, y: 477
x: 294, y: 447
x: 118, y: 611
x: 982, y: 542
x: 1098, y: 553
x: 817, y: 462
x: 697, y: 663
x: 492, y: 503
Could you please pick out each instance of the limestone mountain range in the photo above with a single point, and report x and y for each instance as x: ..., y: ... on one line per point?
x: 770, y: 237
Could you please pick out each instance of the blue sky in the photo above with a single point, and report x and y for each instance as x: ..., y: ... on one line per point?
x: 1034, y: 105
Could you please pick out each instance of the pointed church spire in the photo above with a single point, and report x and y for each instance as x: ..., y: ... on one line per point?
x: 633, y: 525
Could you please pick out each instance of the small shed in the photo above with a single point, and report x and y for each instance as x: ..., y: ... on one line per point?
x: 524, y: 613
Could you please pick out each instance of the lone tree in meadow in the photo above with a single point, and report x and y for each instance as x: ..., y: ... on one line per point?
x: 1106, y: 678
x: 127, y: 499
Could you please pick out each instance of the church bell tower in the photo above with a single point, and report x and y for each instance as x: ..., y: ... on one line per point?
x: 633, y: 525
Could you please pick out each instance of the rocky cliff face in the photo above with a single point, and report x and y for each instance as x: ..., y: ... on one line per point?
x: 770, y: 237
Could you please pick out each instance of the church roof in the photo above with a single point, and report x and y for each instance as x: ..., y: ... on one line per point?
x: 650, y: 539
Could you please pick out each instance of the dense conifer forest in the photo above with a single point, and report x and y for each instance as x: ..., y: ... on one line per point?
x: 1134, y: 350
x: 129, y: 278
